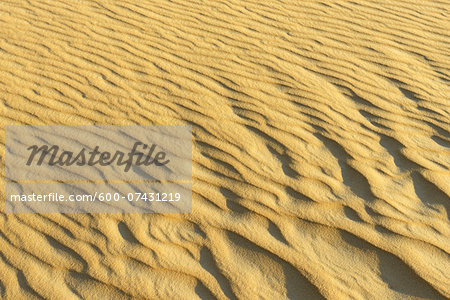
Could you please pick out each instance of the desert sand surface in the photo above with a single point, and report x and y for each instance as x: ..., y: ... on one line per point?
x: 321, y: 146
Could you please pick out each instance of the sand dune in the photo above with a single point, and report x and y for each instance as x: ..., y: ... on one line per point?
x: 321, y: 157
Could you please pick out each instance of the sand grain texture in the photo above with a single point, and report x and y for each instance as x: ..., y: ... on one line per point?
x: 321, y: 146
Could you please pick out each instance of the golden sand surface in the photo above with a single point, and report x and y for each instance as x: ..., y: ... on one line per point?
x: 321, y: 146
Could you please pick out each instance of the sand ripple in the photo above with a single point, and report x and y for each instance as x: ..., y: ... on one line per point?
x: 321, y: 146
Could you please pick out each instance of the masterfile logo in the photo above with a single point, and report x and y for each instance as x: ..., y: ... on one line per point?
x: 67, y: 158
x: 98, y: 168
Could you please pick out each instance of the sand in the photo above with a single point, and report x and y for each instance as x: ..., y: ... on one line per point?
x: 321, y: 146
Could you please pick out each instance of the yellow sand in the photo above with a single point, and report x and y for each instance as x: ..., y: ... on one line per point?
x: 321, y: 146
